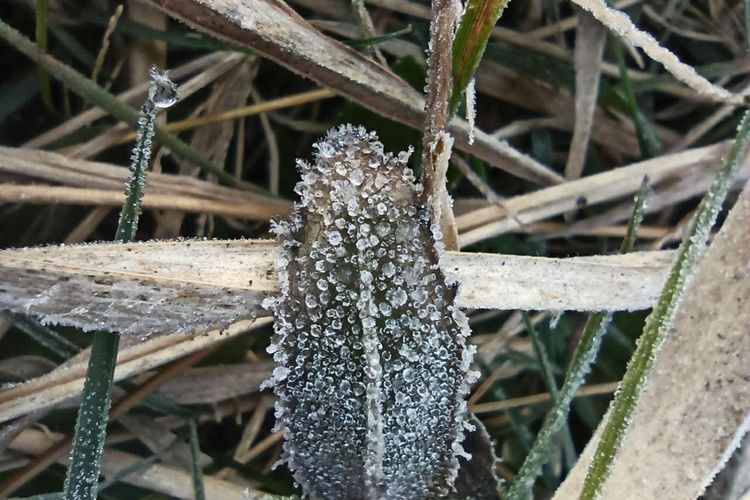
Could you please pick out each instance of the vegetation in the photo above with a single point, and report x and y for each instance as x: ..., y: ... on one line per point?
x: 575, y: 140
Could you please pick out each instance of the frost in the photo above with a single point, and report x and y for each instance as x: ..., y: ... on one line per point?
x: 471, y: 108
x: 397, y: 298
x: 376, y: 366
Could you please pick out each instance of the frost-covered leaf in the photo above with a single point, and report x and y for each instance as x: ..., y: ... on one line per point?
x: 476, y: 477
x: 373, y: 359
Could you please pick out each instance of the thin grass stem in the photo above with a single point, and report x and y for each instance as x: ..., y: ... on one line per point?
x: 195, y: 455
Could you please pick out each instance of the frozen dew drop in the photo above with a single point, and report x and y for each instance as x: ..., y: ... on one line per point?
x: 389, y: 269
x: 397, y: 298
x: 356, y: 177
x: 334, y: 237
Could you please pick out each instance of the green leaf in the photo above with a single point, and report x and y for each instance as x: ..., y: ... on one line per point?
x: 41, y: 45
x: 81, y: 480
x: 474, y: 30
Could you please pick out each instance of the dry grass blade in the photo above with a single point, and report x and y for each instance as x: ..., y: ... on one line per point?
x: 245, y: 111
x: 72, y: 286
x: 103, y: 183
x: 136, y: 357
x: 60, y: 195
x: 494, y: 406
x: 621, y: 24
x: 590, y: 39
x: 211, y: 384
x: 146, y: 287
x: 594, y: 283
x: 273, y: 29
x: 698, y: 387
x: 487, y: 222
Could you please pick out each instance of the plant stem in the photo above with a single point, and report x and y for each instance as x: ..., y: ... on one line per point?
x: 195, y: 454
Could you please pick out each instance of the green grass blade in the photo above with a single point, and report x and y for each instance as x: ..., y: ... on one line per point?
x: 59, y: 345
x: 40, y: 33
x: 81, y: 480
x: 648, y: 139
x: 75, y: 48
x: 92, y: 92
x: 474, y: 30
x: 660, y: 320
x: 580, y: 365
x: 161, y: 94
x: 195, y: 455
x: 545, y: 367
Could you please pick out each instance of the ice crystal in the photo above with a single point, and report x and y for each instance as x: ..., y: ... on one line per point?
x: 372, y: 384
x: 471, y: 108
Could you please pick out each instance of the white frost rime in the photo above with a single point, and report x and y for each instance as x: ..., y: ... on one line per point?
x: 373, y: 353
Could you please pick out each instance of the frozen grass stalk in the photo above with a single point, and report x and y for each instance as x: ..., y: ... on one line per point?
x: 161, y: 94
x: 660, y: 320
x: 81, y: 480
x: 580, y: 366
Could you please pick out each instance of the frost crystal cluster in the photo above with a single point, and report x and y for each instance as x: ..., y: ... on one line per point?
x: 372, y: 354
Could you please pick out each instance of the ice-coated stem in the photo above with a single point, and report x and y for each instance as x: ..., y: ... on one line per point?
x: 81, y: 480
x: 580, y: 366
x: 657, y: 325
x: 161, y: 94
